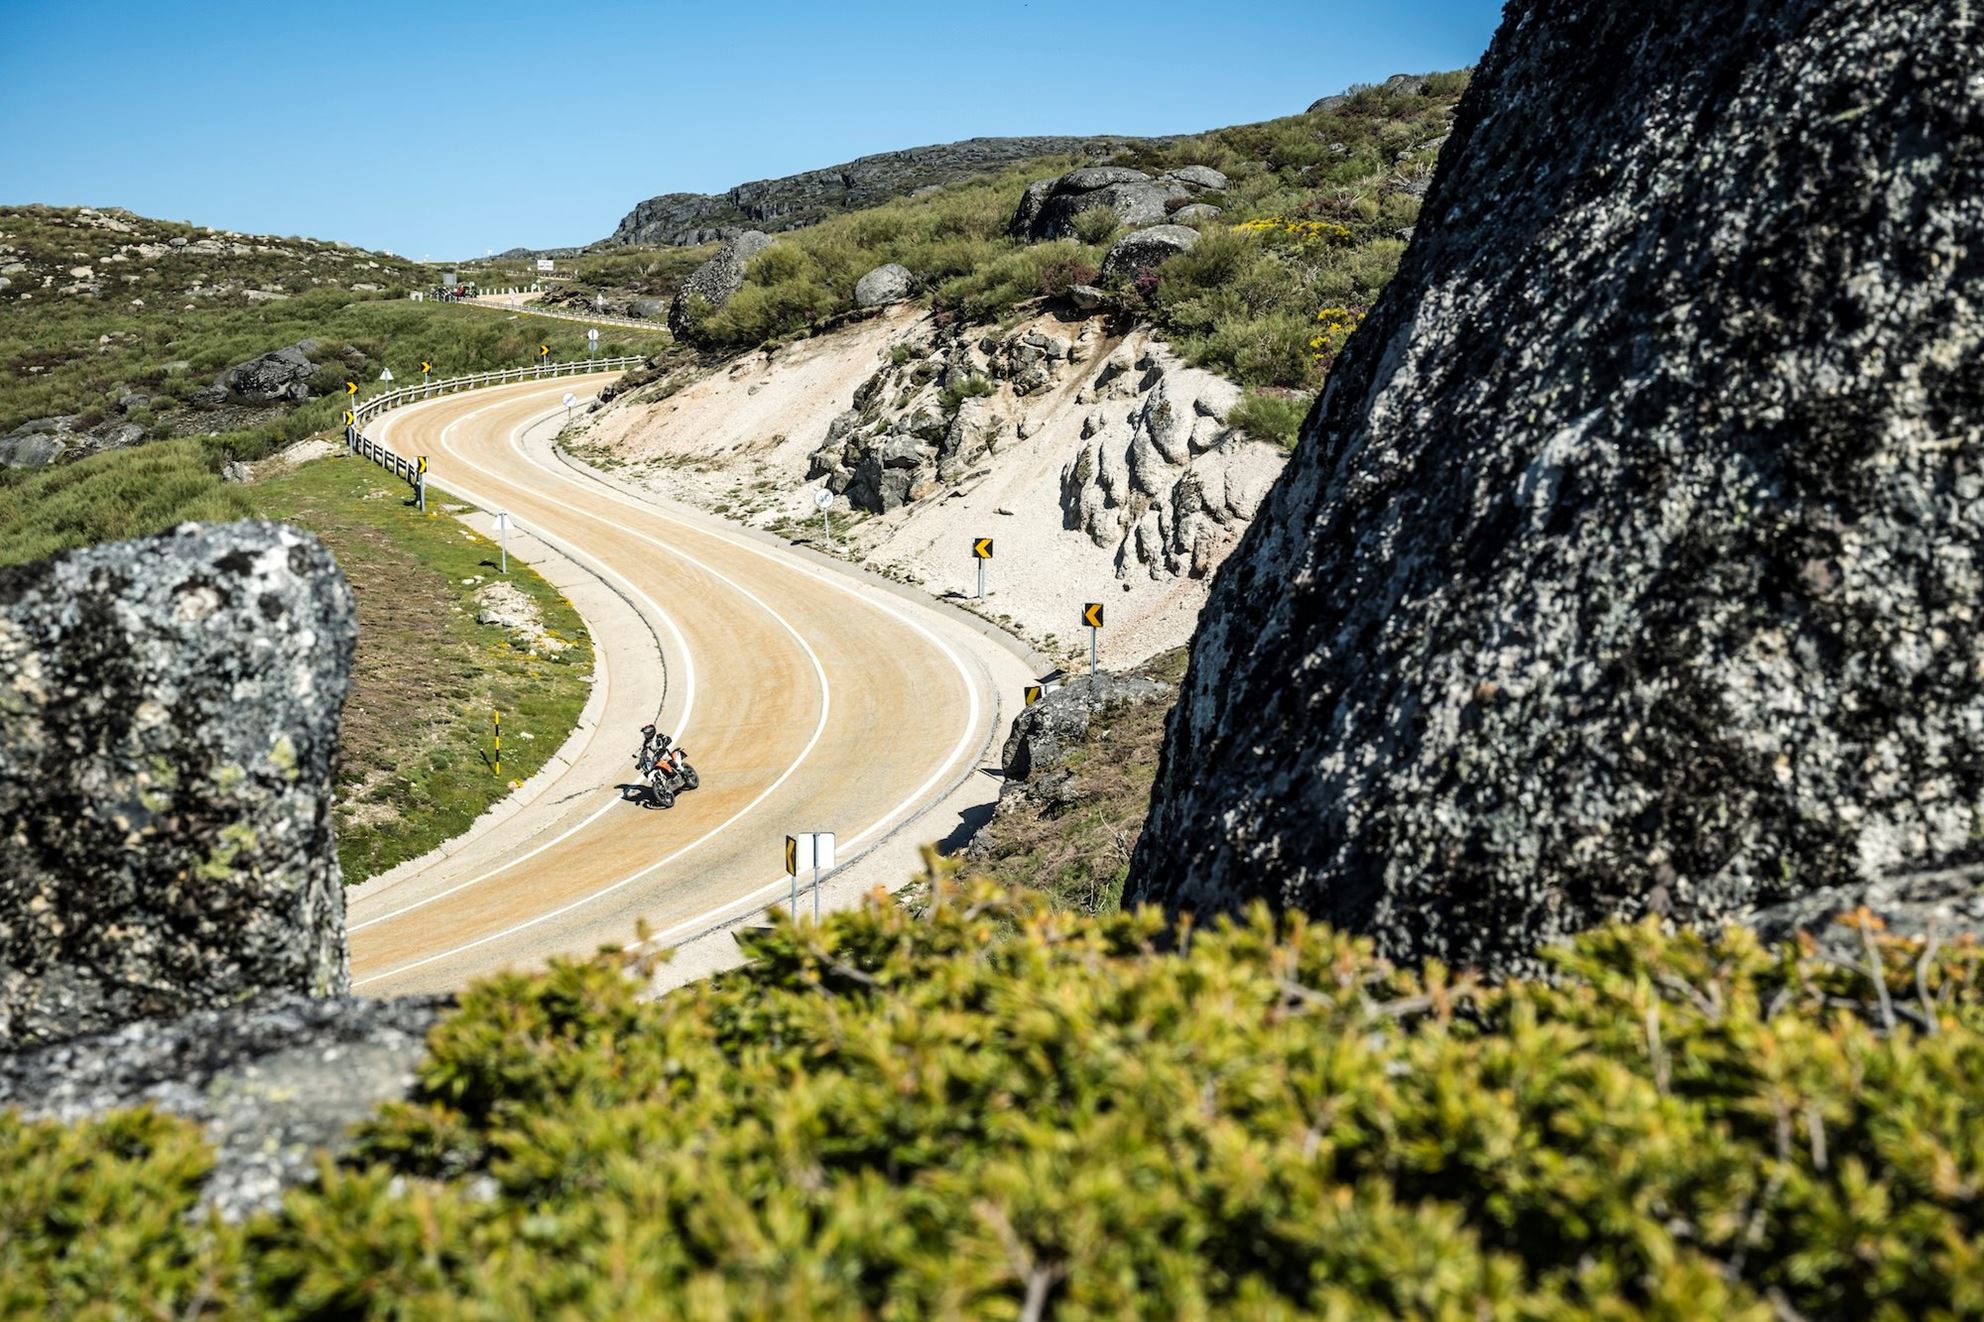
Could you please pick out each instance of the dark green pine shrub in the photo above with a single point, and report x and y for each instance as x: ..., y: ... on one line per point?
x: 986, y: 1108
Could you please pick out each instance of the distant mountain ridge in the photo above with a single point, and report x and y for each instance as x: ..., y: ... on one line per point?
x: 803, y: 199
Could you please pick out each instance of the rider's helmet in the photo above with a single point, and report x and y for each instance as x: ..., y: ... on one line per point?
x: 648, y: 730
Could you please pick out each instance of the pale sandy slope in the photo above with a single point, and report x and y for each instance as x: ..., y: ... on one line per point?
x: 737, y: 442
x: 811, y: 701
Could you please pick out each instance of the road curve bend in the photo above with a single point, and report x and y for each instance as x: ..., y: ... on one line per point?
x: 809, y: 700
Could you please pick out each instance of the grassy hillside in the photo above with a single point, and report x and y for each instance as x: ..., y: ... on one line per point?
x: 414, y: 749
x: 1312, y: 229
x: 990, y: 1110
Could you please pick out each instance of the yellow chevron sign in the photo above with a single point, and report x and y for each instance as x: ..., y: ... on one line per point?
x: 1092, y: 614
x: 543, y: 351
x: 791, y: 857
x: 982, y: 547
x: 423, y: 463
x: 1033, y: 694
x: 351, y: 387
x: 350, y: 419
x: 425, y: 367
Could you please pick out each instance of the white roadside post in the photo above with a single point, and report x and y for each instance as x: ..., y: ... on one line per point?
x: 503, y: 537
x: 823, y: 500
x: 570, y: 399
x: 1092, y: 619
x: 592, y: 344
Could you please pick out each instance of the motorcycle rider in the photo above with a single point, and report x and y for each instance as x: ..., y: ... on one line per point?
x: 654, y: 745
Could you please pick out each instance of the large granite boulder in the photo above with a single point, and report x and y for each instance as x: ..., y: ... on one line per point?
x: 1048, y: 209
x: 884, y: 285
x: 168, y: 723
x: 713, y: 283
x: 280, y: 376
x: 1142, y: 249
x: 1631, y: 560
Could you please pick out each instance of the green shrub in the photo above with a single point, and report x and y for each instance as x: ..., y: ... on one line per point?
x: 109, y: 497
x: 955, y: 1109
x: 1275, y: 416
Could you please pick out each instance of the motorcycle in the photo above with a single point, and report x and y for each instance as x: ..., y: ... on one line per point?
x: 668, y: 774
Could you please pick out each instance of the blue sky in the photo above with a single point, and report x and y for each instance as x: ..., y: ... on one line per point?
x: 446, y: 128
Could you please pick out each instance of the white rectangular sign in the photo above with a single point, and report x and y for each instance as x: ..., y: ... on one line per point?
x: 544, y: 263
x: 809, y: 851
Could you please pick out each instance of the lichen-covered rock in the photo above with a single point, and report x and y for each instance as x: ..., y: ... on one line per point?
x: 168, y: 722
x: 1048, y: 209
x: 1044, y: 732
x: 884, y: 285
x: 273, y: 1082
x: 1631, y: 559
x: 282, y: 375
x: 714, y: 282
x: 1144, y: 248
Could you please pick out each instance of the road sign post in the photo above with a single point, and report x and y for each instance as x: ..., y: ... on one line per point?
x: 981, y: 551
x: 420, y: 483
x: 543, y: 352
x: 592, y: 343
x: 824, y: 499
x: 1092, y: 618
x: 813, y: 852
x: 570, y: 399
x: 503, y: 536
x: 499, y: 743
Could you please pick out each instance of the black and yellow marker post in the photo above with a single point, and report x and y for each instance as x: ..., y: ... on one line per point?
x: 981, y: 551
x: 1092, y: 620
x: 499, y: 743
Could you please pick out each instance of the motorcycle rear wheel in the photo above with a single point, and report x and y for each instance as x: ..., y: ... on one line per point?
x: 664, y: 797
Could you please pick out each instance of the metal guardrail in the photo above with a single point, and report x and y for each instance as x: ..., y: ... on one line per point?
x: 414, y: 471
x: 600, y: 318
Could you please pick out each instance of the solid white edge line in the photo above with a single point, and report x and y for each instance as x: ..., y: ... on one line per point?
x: 688, y: 686
x: 819, y: 729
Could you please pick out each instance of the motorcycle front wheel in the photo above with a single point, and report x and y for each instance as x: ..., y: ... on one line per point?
x: 689, y: 777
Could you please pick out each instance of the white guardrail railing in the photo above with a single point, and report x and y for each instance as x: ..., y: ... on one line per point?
x: 567, y: 314
x: 413, y: 471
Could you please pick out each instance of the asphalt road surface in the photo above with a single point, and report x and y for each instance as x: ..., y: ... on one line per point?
x: 808, y: 699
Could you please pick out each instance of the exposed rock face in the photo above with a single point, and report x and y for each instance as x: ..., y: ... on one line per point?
x: 272, y: 1082
x: 281, y: 375
x: 1145, y: 248
x: 717, y: 279
x: 884, y: 285
x: 803, y: 199
x: 1630, y: 561
x: 168, y: 720
x: 37, y: 444
x: 1044, y: 732
x: 1160, y: 476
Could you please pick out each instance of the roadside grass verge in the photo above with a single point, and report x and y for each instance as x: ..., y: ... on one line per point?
x: 416, y: 765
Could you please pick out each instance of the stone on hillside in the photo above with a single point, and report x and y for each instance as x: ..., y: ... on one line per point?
x: 168, y: 724
x: 1086, y: 297
x: 1197, y: 176
x: 884, y: 285
x: 1146, y: 248
x: 718, y: 279
x: 37, y: 444
x: 1132, y: 196
x: 280, y: 376
x: 1629, y: 563
x: 1196, y: 213
x: 1043, y: 733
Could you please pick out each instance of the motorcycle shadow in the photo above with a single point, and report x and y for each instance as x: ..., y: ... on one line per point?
x: 637, y: 791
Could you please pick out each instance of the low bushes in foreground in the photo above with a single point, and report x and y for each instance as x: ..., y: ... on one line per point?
x: 989, y: 1108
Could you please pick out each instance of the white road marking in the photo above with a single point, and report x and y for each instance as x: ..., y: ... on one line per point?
x: 821, y: 576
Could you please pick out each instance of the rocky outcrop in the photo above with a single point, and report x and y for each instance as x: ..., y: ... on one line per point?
x: 37, y: 444
x: 1630, y: 560
x: 1143, y: 249
x: 1399, y: 84
x: 272, y: 1083
x: 1043, y: 733
x: 884, y: 285
x: 280, y: 376
x: 1049, y: 207
x: 168, y: 722
x: 711, y: 285
x: 1160, y: 477
x: 804, y: 199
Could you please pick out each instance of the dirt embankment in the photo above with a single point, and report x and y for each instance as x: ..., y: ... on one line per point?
x: 1099, y: 464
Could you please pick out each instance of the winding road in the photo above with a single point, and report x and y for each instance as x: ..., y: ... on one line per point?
x: 811, y: 699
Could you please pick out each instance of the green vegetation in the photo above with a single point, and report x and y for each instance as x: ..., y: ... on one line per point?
x: 130, y: 493
x: 1270, y: 415
x: 1311, y: 221
x: 986, y: 1108
x: 415, y: 746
